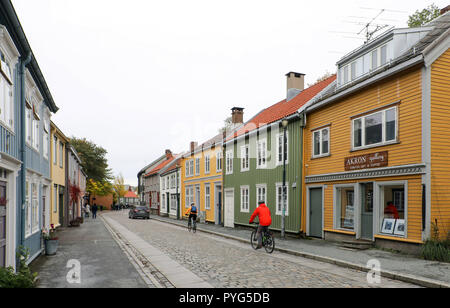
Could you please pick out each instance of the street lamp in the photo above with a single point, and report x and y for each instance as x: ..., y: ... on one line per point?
x: 284, y: 123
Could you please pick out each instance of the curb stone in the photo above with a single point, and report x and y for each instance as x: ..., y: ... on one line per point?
x: 420, y: 281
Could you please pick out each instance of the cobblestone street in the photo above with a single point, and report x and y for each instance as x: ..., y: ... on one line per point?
x: 231, y: 264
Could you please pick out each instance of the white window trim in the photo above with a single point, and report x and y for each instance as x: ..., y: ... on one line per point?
x: 356, y: 206
x: 219, y: 161
x: 321, y: 143
x: 265, y: 196
x: 363, y: 131
x: 208, y: 204
x: 244, y: 210
x: 258, y: 142
x: 280, y: 212
x: 245, y: 158
x: 280, y: 163
x: 229, y: 162
x: 207, y: 164
x: 197, y: 165
x: 378, y: 208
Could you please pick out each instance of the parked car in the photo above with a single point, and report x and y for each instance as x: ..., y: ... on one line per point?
x: 139, y: 212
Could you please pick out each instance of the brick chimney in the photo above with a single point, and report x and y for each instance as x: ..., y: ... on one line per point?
x: 295, y: 84
x: 445, y: 10
x: 193, y: 146
x: 168, y: 154
x: 237, y: 115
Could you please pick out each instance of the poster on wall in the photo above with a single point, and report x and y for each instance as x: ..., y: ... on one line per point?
x: 349, y: 214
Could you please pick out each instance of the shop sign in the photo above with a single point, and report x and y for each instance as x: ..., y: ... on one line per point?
x: 373, y: 160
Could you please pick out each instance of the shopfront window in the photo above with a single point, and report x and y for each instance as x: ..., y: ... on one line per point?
x: 345, y: 208
x: 392, y: 209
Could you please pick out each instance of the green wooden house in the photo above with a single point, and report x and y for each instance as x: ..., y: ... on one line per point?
x: 255, y: 157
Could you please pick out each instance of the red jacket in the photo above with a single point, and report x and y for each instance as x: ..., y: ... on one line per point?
x: 391, y: 209
x: 263, y: 212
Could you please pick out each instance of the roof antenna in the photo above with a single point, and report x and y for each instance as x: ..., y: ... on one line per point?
x: 370, y: 34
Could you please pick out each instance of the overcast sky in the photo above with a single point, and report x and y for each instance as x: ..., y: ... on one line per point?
x: 139, y: 76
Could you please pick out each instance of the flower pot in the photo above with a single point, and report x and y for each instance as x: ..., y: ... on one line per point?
x: 51, y: 246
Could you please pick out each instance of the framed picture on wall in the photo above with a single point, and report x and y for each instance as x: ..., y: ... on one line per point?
x: 399, y: 227
x: 388, y: 226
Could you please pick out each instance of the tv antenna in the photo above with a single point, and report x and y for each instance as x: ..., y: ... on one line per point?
x: 370, y: 33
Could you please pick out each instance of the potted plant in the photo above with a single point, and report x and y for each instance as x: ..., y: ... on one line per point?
x: 51, y: 241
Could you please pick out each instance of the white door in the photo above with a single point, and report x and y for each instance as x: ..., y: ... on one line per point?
x: 229, y: 209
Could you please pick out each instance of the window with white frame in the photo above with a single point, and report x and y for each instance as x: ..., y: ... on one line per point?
x: 282, y: 199
x: 229, y: 162
x: 207, y: 164
x: 262, y: 153
x: 186, y: 168
x: 375, y: 129
x: 189, y: 197
x: 55, y: 198
x: 245, y: 166
x: 28, y: 125
x: 167, y: 182
x: 35, y: 205
x: 321, y: 142
x: 245, y: 198
x: 393, y: 208
x: 197, y: 166
x: 345, y: 207
x: 282, y: 148
x: 163, y: 183
x: 219, y: 161
x: 163, y: 202
x: 6, y: 94
x: 261, y: 193
x: 191, y: 167
x: 207, y: 196
x: 46, y: 140
x: 61, y: 154
x: 28, y: 209
x: 55, y: 150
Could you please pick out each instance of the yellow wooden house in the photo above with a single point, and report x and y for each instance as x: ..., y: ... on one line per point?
x: 201, y: 179
x: 377, y: 145
x: 58, y: 142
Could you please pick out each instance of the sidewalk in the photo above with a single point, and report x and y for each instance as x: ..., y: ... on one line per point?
x: 394, y: 266
x: 103, y: 262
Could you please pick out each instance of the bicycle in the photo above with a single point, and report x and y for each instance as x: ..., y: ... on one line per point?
x: 191, y: 226
x: 268, y: 241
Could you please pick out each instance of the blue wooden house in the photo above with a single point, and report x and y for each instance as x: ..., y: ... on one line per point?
x: 26, y: 106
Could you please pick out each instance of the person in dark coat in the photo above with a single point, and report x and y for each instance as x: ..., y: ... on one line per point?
x: 94, y: 211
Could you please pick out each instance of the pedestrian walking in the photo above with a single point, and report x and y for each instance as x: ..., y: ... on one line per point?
x: 87, y: 210
x: 94, y: 211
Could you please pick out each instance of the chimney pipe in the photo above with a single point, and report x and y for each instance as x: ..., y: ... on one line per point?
x: 168, y: 154
x: 237, y: 115
x: 295, y: 84
x: 193, y: 146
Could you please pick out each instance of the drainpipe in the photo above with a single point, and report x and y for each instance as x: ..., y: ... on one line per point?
x: 23, y: 65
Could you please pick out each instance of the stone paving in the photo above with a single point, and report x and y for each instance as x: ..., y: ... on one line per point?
x: 226, y: 263
x: 103, y: 262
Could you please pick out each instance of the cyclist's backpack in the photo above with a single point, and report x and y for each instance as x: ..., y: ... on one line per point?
x: 193, y: 209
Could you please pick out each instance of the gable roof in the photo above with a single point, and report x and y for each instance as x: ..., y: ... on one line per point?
x: 130, y: 194
x: 283, y: 109
x: 172, y: 166
x: 160, y: 166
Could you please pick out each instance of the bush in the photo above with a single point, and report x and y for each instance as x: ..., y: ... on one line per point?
x: 24, y: 278
x: 436, y: 250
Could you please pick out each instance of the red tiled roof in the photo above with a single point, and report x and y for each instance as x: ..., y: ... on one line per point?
x: 130, y: 194
x: 160, y: 166
x: 174, y: 166
x: 284, y: 108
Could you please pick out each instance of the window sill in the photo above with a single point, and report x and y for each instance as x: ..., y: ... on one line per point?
x: 320, y: 156
x: 374, y: 146
x: 245, y: 170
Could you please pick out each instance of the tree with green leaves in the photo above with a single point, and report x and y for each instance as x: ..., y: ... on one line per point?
x: 119, y: 187
x: 93, y: 159
x: 420, y: 18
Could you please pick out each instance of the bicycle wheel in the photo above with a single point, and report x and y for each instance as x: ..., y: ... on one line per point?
x: 254, y: 240
x: 189, y: 226
x: 269, y: 244
x: 194, y: 228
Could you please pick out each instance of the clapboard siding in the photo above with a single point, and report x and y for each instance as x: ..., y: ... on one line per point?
x: 440, y: 143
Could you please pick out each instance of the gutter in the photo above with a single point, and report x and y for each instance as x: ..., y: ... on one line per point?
x: 23, y: 64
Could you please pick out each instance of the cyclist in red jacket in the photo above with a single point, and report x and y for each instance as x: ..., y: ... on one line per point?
x: 265, y: 220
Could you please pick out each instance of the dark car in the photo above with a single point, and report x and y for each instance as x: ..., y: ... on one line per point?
x: 139, y: 212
